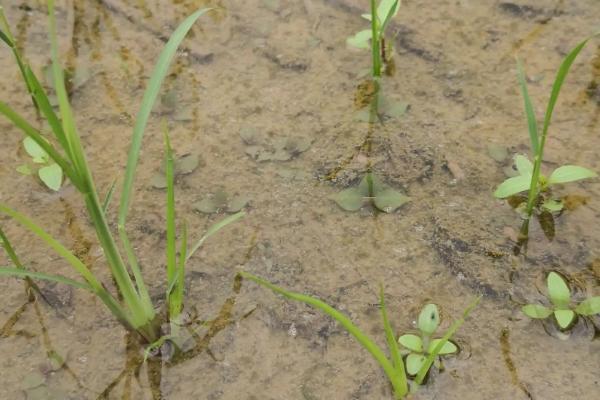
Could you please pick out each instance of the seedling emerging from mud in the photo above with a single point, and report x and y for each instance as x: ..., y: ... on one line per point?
x: 420, y: 347
x: 562, y: 309
x: 530, y: 176
x: 393, y: 367
x: 370, y: 189
x: 374, y: 38
x: 50, y: 173
x: 135, y: 310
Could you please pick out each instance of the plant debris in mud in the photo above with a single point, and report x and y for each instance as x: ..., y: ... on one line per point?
x: 370, y: 190
x: 184, y: 165
x: 561, y: 307
x: 280, y: 148
x: 221, y: 201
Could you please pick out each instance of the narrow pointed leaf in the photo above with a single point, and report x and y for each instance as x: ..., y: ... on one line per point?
x: 570, y: 173
x: 558, y: 290
x: 214, y: 229
x: 22, y: 273
x: 392, y: 345
x: 512, y: 186
x: 531, y: 118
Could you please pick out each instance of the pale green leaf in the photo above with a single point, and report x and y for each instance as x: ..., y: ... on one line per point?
x: 558, y: 291
x: 564, y: 318
x: 51, y: 175
x: 24, y: 169
x: 414, y: 362
x: 360, y: 40
x: 570, y: 173
x: 411, y: 342
x: 552, y: 205
x: 388, y: 200
x: 512, y: 186
x: 536, y: 311
x: 350, y: 199
x: 35, y: 151
x: 429, y: 319
x: 589, y: 306
x: 524, y: 166
x: 447, y: 348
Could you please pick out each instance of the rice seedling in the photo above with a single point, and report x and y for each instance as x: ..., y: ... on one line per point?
x: 561, y: 307
x: 135, y: 310
x: 50, y: 173
x: 394, y: 366
x: 529, y: 175
x: 419, y: 347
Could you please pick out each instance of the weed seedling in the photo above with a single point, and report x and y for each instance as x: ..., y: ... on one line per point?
x: 136, y: 310
x: 370, y: 189
x: 530, y: 176
x: 420, y: 347
x: 562, y: 309
x: 394, y: 366
x: 49, y: 172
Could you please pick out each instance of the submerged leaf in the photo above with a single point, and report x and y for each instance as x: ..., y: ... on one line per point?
x: 350, y: 199
x: 536, y: 311
x: 207, y: 206
x: 589, y: 306
x: 388, y: 200
x: 497, y: 152
x: 237, y: 203
x: 414, y: 362
x: 512, y: 186
x: 558, y: 291
x: 564, y: 318
x: 411, y: 342
x: 51, y: 175
x: 187, y: 164
x: 570, y: 173
x: 429, y: 319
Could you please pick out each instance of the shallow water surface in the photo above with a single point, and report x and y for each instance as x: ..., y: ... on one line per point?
x: 257, y: 72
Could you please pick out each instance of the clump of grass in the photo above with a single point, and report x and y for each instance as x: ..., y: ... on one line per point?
x: 394, y: 367
x: 561, y: 306
x: 530, y: 176
x: 136, y: 310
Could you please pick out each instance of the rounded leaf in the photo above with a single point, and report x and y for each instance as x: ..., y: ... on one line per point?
x: 558, y: 291
x: 51, y: 175
x: 447, y: 348
x: 570, y: 173
x: 237, y: 203
x: 524, y: 166
x: 429, y: 319
x: 389, y: 200
x: 589, y: 306
x: 414, y: 362
x: 411, y: 342
x: 206, y: 206
x: 564, y: 318
x: 536, y: 311
x: 360, y: 40
x: 349, y: 199
x: 552, y: 205
x: 34, y: 150
x: 512, y: 186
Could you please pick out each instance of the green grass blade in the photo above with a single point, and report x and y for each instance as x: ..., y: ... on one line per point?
x: 23, y: 273
x: 214, y: 229
x: 150, y: 95
x: 531, y: 118
x: 361, y: 337
x: 177, y: 286
x: 170, y: 212
x: 12, y: 254
x: 447, y: 336
x: 393, y: 346
x: 108, y: 196
x: 375, y: 54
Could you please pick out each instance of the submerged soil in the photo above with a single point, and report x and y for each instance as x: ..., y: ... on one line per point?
x: 273, y: 69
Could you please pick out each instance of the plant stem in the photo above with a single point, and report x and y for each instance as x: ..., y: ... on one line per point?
x: 375, y: 41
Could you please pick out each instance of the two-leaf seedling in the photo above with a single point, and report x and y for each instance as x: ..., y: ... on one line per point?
x: 562, y: 308
x: 522, y: 182
x: 370, y: 189
x: 50, y: 173
x: 418, y: 348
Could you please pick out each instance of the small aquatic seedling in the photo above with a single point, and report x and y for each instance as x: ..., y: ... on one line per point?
x: 184, y: 165
x: 221, y: 201
x: 281, y: 148
x: 50, y: 173
x: 562, y: 308
x: 393, y: 367
x: 374, y: 38
x: 530, y: 177
x: 132, y: 306
x: 370, y: 189
x: 420, y: 347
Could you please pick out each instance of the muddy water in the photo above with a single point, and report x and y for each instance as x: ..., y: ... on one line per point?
x: 280, y: 68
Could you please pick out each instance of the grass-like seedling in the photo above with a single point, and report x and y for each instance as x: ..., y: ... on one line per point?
x: 530, y: 176
x: 374, y: 38
x: 562, y: 308
x: 394, y: 367
x: 419, y: 347
x: 50, y: 173
x: 136, y: 310
x: 370, y: 189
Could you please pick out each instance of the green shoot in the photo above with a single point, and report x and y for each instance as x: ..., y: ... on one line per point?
x: 561, y: 306
x: 530, y: 176
x: 394, y: 369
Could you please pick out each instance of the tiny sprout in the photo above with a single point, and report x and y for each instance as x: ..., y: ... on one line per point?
x: 50, y: 173
x: 562, y: 309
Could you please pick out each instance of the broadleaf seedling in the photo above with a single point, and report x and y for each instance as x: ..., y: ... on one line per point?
x: 370, y: 190
x: 393, y: 367
x: 562, y: 308
x: 221, y: 201
x: 49, y: 172
x: 419, y: 347
x: 530, y: 177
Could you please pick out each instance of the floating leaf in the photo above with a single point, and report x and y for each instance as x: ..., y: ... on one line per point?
x: 389, y: 200
x: 524, y: 166
x: 158, y: 181
x: 570, y: 173
x: 411, y: 342
x: 536, y: 311
x: 237, y: 203
x: 558, y: 291
x: 447, y: 348
x: 384, y: 198
x: 429, y: 319
x: 187, y: 164
x: 221, y: 201
x: 589, y: 306
x: 512, y: 186
x: 414, y: 362
x: 51, y: 175
x: 498, y: 152
x: 564, y: 318
x: 33, y: 380
x: 207, y: 206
